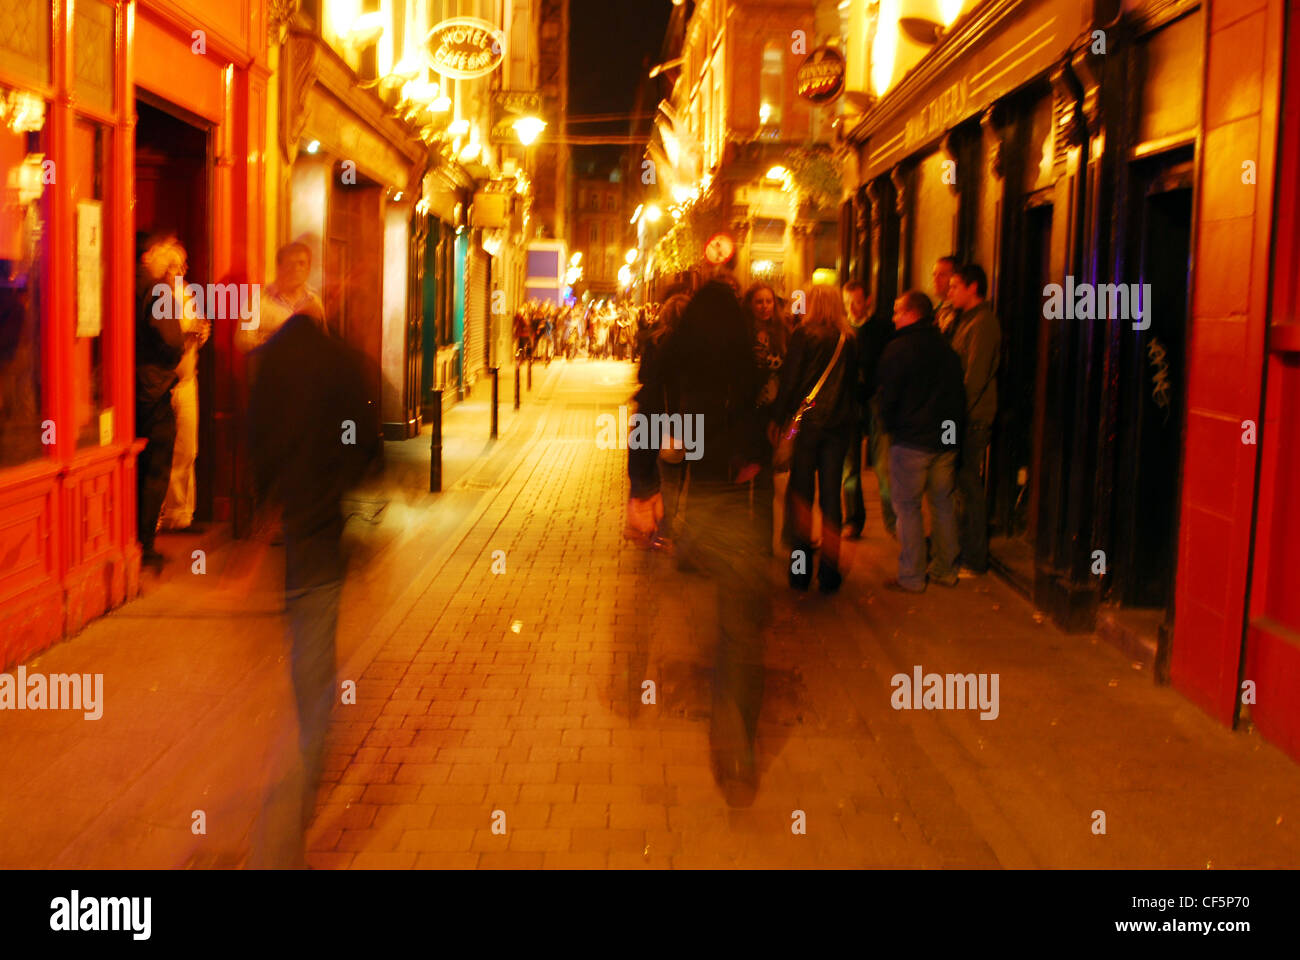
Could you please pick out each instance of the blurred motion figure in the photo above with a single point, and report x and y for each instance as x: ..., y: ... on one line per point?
x: 313, y: 436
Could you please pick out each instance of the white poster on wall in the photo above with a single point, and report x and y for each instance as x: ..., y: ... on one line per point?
x: 90, y: 277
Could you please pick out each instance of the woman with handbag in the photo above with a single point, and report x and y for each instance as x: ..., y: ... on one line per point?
x: 815, y: 409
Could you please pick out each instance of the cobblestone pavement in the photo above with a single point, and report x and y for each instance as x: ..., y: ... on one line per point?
x: 499, y: 721
x: 519, y: 691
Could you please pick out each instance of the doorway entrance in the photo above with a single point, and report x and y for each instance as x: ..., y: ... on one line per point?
x: 1152, y: 388
x: 172, y: 197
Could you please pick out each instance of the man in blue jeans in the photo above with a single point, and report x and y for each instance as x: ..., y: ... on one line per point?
x: 922, y: 404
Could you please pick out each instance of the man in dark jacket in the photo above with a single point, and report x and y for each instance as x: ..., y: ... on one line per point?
x: 313, y: 434
x: 922, y: 404
x: 977, y: 338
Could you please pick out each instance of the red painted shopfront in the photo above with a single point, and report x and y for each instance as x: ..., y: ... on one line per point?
x: 1236, y: 648
x: 73, y: 76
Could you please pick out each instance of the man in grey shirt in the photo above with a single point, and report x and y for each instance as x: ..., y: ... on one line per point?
x: 977, y: 338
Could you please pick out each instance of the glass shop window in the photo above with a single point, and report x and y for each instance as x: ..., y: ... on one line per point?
x: 771, y: 86
x: 91, y: 356
x: 26, y: 178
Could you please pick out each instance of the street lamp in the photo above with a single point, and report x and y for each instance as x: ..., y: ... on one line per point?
x: 528, y: 129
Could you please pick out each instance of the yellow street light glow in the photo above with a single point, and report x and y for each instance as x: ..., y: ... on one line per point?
x: 764, y: 112
x: 777, y: 173
x: 458, y: 128
x: 949, y: 10
x: 636, y: 214
x: 885, y: 47
x: 630, y: 257
x: 575, y: 259
x: 528, y: 129
x: 681, y: 194
x: 653, y: 213
x: 441, y: 105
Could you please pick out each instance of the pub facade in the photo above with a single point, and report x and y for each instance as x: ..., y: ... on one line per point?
x: 1123, y: 157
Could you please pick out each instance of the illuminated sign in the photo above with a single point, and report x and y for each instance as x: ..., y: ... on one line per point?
x: 465, y: 48
x: 820, y: 78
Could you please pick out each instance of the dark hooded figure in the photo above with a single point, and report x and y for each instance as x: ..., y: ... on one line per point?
x: 313, y: 433
x: 703, y: 371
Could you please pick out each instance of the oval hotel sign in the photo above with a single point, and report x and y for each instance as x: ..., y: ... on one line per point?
x: 464, y: 48
x: 820, y: 78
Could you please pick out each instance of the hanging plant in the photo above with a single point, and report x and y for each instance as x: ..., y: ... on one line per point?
x: 816, y: 177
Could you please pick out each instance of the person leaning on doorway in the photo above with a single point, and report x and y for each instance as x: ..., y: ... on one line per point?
x: 178, y: 506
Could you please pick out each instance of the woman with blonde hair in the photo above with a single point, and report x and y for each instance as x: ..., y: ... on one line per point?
x: 817, y: 380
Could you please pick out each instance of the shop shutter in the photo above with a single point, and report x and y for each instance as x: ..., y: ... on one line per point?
x: 476, y: 313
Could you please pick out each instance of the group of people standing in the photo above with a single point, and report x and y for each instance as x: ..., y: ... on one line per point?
x: 170, y: 330
x: 840, y: 389
x: 798, y: 400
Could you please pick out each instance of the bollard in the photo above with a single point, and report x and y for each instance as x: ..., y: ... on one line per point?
x: 435, y: 446
x: 494, y: 403
x: 530, y: 374
x: 516, y: 386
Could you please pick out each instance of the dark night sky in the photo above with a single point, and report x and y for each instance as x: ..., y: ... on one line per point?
x: 609, y: 41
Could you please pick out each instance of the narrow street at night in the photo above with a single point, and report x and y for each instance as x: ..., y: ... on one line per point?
x: 521, y: 691
x: 653, y: 442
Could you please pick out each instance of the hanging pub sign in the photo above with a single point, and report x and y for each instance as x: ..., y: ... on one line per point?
x: 820, y: 78
x: 465, y: 47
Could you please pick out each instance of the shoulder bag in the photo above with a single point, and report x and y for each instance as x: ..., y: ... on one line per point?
x: 785, y: 442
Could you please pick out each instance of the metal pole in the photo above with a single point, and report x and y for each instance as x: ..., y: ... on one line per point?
x: 530, y: 373
x: 435, y: 446
x: 495, y: 394
x: 516, y: 386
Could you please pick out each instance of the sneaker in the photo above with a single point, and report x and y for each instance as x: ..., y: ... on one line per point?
x: 966, y: 573
x: 950, y: 581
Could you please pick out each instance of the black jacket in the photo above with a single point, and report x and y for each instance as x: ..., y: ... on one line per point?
x: 703, y: 366
x: 873, y: 337
x: 920, y: 388
x: 807, y: 358
x: 305, y: 455
x: 155, y: 357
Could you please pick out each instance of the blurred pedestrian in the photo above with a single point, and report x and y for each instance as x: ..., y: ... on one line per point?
x: 706, y: 369
x: 159, y: 347
x: 288, y: 294
x: 817, y: 384
x: 855, y: 510
x: 770, y: 336
x: 921, y: 405
x: 313, y: 434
